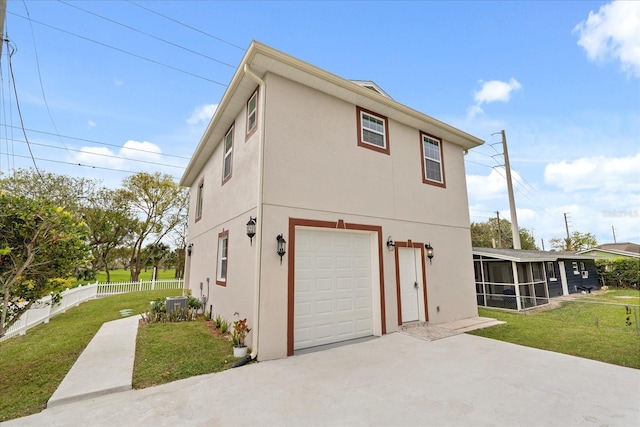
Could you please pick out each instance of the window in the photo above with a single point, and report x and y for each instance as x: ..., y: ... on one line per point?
x: 373, y: 131
x: 199, y: 196
x: 252, y: 113
x: 432, y: 161
x: 228, y: 155
x: 575, y: 268
x: 551, y: 271
x: 223, y: 253
x: 582, y: 268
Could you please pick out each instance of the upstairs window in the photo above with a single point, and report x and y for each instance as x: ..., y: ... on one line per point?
x: 199, y: 199
x: 223, y: 257
x: 252, y: 113
x: 373, y: 131
x: 432, y: 161
x: 228, y: 155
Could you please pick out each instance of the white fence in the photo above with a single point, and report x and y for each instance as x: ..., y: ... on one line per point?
x: 43, y: 310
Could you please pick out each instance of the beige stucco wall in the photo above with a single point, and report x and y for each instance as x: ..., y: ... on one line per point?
x: 315, y: 170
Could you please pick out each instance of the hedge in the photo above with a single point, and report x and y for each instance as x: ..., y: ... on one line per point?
x: 619, y: 273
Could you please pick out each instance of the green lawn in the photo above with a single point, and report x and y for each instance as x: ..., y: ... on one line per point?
x: 581, y: 328
x: 33, y: 365
x: 125, y: 275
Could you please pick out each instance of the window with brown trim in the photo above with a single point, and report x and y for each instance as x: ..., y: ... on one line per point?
x: 432, y: 160
x: 223, y: 258
x: 373, y: 131
x: 199, y: 199
x: 227, y: 167
x: 252, y: 113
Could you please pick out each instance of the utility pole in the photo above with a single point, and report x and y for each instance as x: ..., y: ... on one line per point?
x: 569, y: 246
x: 614, y: 234
x: 3, y: 14
x: 542, y: 241
x: 512, y: 202
x: 498, y: 226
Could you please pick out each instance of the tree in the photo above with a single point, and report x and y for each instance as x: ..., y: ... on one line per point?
x: 577, y: 241
x: 39, y: 243
x: 111, y: 225
x: 498, y: 234
x: 61, y: 190
x: 159, y: 205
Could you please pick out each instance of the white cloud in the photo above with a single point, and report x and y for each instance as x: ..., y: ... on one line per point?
x: 201, y: 114
x: 613, y: 33
x: 91, y: 124
x: 131, y: 151
x: 140, y: 150
x: 492, y: 91
x: 495, y: 90
x: 610, y: 174
x: 490, y: 187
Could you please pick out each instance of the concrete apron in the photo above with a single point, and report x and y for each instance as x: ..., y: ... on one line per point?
x: 393, y: 380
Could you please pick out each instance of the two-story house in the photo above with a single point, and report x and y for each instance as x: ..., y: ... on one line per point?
x: 323, y: 211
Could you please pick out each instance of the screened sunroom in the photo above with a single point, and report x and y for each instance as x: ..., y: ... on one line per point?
x: 510, y: 279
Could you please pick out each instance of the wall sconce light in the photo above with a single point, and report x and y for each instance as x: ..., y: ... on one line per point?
x: 282, y: 246
x: 251, y: 228
x: 390, y: 244
x: 429, y: 249
x: 189, y: 249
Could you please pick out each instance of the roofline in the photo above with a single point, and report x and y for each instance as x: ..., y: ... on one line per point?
x: 455, y: 136
x: 611, y: 251
x: 544, y: 256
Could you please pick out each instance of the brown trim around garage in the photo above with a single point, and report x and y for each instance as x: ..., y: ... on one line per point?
x: 415, y: 245
x: 338, y: 225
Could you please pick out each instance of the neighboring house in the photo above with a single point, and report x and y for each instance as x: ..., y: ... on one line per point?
x: 315, y: 202
x: 611, y: 251
x: 518, y: 279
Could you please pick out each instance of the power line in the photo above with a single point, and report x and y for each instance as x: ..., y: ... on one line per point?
x: 100, y: 143
x: 153, y: 61
x: 112, y: 156
x: 85, y: 166
x: 44, y: 97
x: 147, y: 34
x: 186, y: 25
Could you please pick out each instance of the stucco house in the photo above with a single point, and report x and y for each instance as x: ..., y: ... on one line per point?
x: 517, y: 279
x: 322, y: 210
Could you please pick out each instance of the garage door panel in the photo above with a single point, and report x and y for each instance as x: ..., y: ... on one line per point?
x: 335, y: 279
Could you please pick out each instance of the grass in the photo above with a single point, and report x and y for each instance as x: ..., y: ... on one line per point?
x: 33, y: 365
x: 125, y: 275
x: 584, y: 327
x: 172, y: 351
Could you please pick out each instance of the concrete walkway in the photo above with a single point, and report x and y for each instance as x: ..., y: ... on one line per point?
x: 105, y: 366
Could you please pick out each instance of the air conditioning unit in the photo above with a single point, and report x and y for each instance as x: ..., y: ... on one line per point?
x: 175, y: 304
x: 585, y: 274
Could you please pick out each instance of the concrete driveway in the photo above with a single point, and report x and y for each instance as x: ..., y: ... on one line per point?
x: 396, y: 380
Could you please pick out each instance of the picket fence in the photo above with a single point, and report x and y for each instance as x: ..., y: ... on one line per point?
x: 43, y: 309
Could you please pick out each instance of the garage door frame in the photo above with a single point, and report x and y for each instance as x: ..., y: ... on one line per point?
x: 339, y: 225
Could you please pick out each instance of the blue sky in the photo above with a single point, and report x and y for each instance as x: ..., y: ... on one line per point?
x: 109, y: 88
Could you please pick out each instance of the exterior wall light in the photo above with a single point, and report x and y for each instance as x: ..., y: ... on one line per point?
x: 390, y: 244
x: 189, y: 249
x: 429, y: 249
x: 251, y: 228
x: 282, y: 247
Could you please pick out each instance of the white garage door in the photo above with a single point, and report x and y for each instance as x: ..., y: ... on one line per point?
x: 332, y: 287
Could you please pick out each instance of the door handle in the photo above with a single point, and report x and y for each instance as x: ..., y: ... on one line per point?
x: 415, y: 285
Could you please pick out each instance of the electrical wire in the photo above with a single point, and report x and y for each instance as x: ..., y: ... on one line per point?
x: 186, y: 25
x: 101, y: 143
x: 153, y: 61
x: 147, y: 34
x: 15, y: 90
x: 112, y: 156
x: 87, y: 166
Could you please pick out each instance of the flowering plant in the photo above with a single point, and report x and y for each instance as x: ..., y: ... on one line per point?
x: 240, y: 331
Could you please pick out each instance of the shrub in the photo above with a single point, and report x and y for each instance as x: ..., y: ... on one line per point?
x: 620, y: 273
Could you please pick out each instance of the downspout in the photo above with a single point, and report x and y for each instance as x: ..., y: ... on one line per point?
x: 260, y: 219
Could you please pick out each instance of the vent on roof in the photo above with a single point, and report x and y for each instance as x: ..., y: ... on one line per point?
x: 371, y: 86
